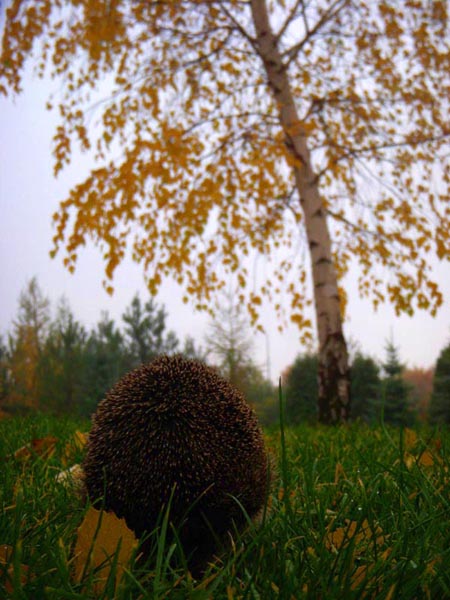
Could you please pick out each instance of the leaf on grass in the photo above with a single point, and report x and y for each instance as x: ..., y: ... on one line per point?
x: 102, y: 539
x: 73, y: 446
x: 410, y: 438
x: 361, y: 535
x: 43, y: 447
x: 7, y: 568
x: 359, y: 575
x: 339, y: 473
x: 274, y: 587
x: 427, y: 459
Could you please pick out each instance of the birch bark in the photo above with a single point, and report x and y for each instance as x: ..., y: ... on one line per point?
x: 334, y: 379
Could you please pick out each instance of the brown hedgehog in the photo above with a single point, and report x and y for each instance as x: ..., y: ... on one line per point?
x: 174, y: 429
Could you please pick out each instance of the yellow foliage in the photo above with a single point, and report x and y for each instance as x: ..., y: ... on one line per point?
x: 203, y: 181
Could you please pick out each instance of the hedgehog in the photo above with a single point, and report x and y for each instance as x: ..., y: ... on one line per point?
x: 173, y: 433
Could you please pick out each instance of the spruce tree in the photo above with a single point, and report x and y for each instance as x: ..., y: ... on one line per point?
x: 301, y: 389
x: 395, y: 403
x: 440, y: 397
x: 145, y: 332
x: 365, y: 388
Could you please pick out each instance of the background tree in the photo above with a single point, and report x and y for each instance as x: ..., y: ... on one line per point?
x: 4, y: 376
x: 228, y: 339
x: 106, y: 360
x: 365, y: 388
x: 193, y: 350
x: 145, y: 332
x: 244, y: 124
x: 395, y: 392
x: 301, y: 389
x: 421, y: 385
x: 62, y: 365
x: 229, y: 347
x: 26, y: 345
x: 440, y: 397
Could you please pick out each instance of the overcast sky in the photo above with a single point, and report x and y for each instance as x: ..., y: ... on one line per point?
x: 29, y: 195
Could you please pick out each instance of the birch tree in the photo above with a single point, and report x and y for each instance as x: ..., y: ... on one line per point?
x: 233, y: 129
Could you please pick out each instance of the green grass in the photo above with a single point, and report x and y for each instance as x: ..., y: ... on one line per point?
x: 354, y: 512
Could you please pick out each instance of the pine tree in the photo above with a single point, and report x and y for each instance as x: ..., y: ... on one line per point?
x: 26, y: 344
x: 301, y: 389
x: 106, y: 361
x: 365, y: 388
x: 145, y: 332
x: 395, y: 392
x: 61, y: 369
x: 440, y: 397
x: 4, y: 379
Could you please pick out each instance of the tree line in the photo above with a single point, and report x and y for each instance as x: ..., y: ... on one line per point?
x: 54, y: 363
x: 387, y: 392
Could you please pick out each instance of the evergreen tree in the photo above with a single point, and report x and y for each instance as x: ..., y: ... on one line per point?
x: 365, y: 388
x: 26, y: 344
x: 145, y: 332
x: 61, y: 370
x: 301, y: 389
x: 4, y: 379
x: 395, y: 392
x: 440, y: 397
x: 193, y: 351
x: 106, y: 360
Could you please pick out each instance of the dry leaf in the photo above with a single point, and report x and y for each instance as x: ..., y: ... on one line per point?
x: 340, y: 537
x: 7, y: 568
x: 427, y: 459
x: 43, y: 447
x: 73, y: 446
x: 360, y: 575
x: 339, y: 473
x: 410, y: 438
x: 98, y: 539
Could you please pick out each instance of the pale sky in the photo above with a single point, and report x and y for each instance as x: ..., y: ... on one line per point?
x: 29, y: 195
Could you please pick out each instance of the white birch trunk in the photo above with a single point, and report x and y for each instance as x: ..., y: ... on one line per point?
x: 334, y: 388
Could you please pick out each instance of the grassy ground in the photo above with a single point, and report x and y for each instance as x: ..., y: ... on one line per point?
x: 354, y: 512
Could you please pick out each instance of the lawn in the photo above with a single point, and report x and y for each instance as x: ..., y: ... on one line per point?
x: 355, y: 512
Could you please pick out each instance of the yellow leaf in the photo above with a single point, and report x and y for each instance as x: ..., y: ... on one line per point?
x: 43, y: 447
x: 7, y: 569
x: 426, y: 459
x: 339, y: 473
x: 410, y: 438
x: 99, y: 537
x: 77, y: 443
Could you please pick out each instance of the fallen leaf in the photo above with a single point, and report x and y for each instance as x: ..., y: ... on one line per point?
x: 427, y: 459
x: 43, y: 447
x: 7, y: 569
x: 410, y: 438
x: 73, y: 446
x: 341, y: 537
x: 360, y: 575
x: 339, y: 473
x: 98, y: 540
